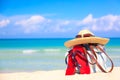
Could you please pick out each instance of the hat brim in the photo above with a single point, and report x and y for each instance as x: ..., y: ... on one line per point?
x: 86, y: 40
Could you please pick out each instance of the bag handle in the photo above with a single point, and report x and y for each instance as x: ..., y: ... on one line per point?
x: 98, y: 47
x: 95, y: 60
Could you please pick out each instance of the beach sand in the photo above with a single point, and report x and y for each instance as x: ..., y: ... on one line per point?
x: 60, y: 75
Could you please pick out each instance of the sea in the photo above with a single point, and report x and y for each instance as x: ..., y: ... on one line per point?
x: 44, y: 54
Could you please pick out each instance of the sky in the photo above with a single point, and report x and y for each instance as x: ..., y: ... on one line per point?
x: 58, y: 18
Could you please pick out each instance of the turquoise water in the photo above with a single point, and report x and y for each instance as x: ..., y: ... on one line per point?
x: 42, y: 54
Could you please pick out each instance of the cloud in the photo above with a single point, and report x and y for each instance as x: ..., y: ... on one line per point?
x: 105, y: 23
x: 37, y: 24
x: 87, y: 20
x: 4, y: 23
x: 57, y: 26
x: 32, y: 23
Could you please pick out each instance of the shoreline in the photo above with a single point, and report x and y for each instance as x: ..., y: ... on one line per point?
x: 60, y: 75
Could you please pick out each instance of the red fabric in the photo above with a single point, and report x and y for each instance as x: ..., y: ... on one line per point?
x: 81, y: 58
x: 70, y: 65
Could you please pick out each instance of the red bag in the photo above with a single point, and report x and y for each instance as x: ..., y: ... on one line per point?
x: 77, y: 61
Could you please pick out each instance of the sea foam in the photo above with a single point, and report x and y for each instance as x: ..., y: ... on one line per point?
x: 29, y: 51
x: 51, y: 50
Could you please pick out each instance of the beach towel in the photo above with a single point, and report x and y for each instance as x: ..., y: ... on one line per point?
x: 77, y: 61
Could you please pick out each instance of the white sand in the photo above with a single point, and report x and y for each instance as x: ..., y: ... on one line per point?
x: 60, y: 75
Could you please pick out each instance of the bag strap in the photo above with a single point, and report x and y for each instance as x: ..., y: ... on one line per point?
x: 98, y: 47
x: 94, y: 53
x: 95, y: 60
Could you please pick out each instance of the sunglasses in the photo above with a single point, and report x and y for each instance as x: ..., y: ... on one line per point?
x: 85, y: 35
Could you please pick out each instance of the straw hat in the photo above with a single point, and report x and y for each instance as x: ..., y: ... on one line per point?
x: 84, y: 37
